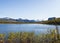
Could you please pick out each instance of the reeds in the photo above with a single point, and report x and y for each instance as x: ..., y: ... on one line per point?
x: 28, y: 37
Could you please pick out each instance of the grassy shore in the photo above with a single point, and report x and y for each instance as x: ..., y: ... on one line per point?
x: 29, y: 37
x: 19, y: 22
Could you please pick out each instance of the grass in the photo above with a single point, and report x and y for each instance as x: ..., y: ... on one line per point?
x: 19, y: 23
x: 29, y: 37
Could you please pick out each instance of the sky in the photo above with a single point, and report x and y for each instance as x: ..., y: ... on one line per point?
x: 30, y: 9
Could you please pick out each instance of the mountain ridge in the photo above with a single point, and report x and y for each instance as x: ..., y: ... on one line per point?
x: 6, y: 19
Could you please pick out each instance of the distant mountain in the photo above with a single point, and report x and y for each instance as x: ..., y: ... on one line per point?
x: 7, y: 19
x: 15, y: 20
x: 24, y: 20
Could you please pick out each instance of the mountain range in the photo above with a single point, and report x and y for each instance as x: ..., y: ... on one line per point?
x: 6, y: 19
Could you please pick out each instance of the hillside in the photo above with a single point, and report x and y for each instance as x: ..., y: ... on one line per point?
x: 55, y: 21
x: 16, y: 21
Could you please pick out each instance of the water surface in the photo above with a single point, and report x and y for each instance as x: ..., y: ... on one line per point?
x: 37, y: 28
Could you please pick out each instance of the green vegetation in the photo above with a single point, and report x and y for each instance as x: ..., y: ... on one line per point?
x: 6, y: 22
x: 30, y: 37
x: 52, y: 22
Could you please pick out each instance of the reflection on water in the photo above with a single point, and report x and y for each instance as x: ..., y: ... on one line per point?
x: 37, y: 28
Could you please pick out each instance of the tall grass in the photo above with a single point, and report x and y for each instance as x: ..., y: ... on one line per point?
x: 29, y: 37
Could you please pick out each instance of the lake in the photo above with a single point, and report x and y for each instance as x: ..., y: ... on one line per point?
x: 37, y: 28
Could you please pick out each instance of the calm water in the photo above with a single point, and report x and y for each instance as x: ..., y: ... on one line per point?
x: 37, y: 28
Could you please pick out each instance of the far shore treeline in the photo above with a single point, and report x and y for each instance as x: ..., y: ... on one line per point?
x: 52, y: 20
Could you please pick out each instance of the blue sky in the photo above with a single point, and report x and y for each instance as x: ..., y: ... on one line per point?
x: 30, y: 9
